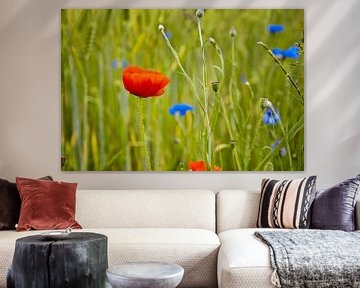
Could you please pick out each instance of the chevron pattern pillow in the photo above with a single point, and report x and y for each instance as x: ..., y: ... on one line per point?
x: 286, y: 204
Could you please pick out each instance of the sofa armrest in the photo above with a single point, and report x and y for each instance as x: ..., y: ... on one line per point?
x: 357, y: 215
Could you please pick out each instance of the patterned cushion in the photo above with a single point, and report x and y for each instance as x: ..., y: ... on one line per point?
x: 286, y: 204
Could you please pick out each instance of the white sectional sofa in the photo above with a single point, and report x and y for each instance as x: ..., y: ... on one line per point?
x: 243, y: 260
x: 177, y: 226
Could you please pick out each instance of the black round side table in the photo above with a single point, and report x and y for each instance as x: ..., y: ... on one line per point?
x: 78, y: 261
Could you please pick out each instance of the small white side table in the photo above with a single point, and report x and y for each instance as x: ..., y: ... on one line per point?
x: 145, y: 275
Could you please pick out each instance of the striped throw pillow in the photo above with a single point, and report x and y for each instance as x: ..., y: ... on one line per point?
x: 286, y: 204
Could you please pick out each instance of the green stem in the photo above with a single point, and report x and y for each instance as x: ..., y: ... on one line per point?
x: 206, y: 116
x: 228, y: 126
x: 177, y: 58
x: 287, y: 144
x: 292, y: 133
x: 214, y: 116
x: 252, y: 145
x: 250, y: 89
x: 206, y: 102
x: 220, y: 99
x: 231, y: 83
x: 284, y: 133
x: 144, y: 149
x: 215, y: 113
x: 202, y: 45
x: 301, y: 100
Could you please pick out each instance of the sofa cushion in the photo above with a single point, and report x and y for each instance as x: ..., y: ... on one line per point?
x: 146, y: 209
x: 236, y: 209
x: 46, y: 204
x: 334, y: 208
x: 10, y: 204
x: 244, y: 261
x: 194, y: 249
x: 286, y: 204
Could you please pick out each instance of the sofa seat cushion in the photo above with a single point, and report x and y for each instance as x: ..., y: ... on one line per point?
x: 194, y: 249
x: 244, y: 261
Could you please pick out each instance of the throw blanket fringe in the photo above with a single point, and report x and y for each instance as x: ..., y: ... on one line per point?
x: 275, y: 280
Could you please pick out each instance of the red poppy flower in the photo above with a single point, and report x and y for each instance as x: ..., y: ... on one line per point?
x: 144, y: 83
x: 217, y: 168
x: 197, y: 166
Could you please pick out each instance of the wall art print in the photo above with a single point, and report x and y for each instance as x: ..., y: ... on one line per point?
x: 182, y: 90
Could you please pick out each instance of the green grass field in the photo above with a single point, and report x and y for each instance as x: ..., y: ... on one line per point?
x: 226, y: 129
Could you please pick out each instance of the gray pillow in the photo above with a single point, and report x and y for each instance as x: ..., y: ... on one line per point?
x: 334, y: 208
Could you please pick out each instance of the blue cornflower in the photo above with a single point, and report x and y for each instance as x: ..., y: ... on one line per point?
x: 114, y: 64
x: 243, y: 79
x: 275, y: 28
x: 275, y: 144
x: 292, y: 52
x: 271, y: 117
x: 168, y: 35
x: 180, y: 109
x: 124, y: 63
x: 277, y: 52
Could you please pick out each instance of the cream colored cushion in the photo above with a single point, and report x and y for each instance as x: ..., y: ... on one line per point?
x: 194, y: 249
x: 146, y: 209
x: 244, y: 261
x: 236, y: 209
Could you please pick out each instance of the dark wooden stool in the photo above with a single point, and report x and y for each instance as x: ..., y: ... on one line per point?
x: 78, y: 261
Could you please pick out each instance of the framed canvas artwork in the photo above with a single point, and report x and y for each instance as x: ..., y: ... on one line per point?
x: 182, y: 90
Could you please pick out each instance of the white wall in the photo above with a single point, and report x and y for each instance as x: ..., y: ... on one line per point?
x: 30, y: 94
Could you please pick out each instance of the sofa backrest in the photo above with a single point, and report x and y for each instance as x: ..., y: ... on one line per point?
x: 146, y: 209
x: 236, y: 209
x: 239, y: 209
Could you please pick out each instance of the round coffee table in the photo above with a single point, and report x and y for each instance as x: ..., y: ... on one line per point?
x: 145, y: 275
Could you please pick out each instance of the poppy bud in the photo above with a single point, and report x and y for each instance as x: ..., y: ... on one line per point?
x: 266, y: 103
x: 200, y: 13
x: 232, y: 32
x: 161, y: 28
x: 212, y: 41
x: 215, y: 86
